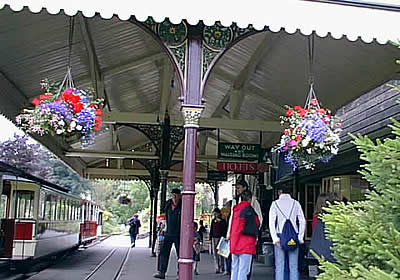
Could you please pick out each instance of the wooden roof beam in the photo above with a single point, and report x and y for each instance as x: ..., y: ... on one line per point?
x: 240, y: 85
x: 134, y: 155
x: 92, y: 172
x: 96, y: 76
x: 165, y: 86
x: 148, y: 118
x: 123, y: 66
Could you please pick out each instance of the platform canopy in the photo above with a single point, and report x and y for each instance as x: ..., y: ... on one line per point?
x: 244, y: 95
x: 380, y: 22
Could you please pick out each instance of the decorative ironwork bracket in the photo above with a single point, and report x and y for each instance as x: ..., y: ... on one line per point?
x: 216, y: 40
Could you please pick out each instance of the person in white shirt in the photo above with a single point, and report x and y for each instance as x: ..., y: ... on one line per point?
x: 241, y: 185
x: 277, y: 220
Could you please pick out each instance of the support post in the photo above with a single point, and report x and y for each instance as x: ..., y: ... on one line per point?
x: 151, y: 217
x: 191, y: 109
x: 165, y: 157
x: 164, y: 183
x: 156, y: 187
x: 216, y: 194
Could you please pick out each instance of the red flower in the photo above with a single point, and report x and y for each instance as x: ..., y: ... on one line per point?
x: 321, y: 111
x: 298, y: 137
x: 98, y: 120
x: 78, y: 107
x: 35, y: 102
x: 297, y: 108
x: 92, y: 106
x: 75, y: 98
x: 66, y: 97
x: 45, y: 96
x: 97, y: 127
x: 99, y: 112
x: 302, y: 112
x: 70, y: 98
x: 289, y: 113
x: 286, y: 132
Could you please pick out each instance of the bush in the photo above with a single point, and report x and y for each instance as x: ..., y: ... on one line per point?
x: 366, y: 234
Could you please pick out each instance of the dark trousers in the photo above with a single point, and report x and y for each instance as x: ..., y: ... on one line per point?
x: 166, y: 250
x: 228, y: 262
x: 133, y: 234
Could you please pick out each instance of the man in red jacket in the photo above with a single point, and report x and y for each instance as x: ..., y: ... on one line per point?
x: 243, y: 235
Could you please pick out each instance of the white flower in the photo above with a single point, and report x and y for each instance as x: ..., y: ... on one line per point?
x: 61, y: 123
x: 305, y: 141
x: 309, y: 151
x: 78, y: 127
x: 72, y: 124
x: 59, y: 131
x: 334, y: 150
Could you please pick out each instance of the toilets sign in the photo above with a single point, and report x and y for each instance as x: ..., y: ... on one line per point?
x: 239, y: 151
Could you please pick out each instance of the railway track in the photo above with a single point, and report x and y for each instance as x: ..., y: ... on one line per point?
x: 111, y: 267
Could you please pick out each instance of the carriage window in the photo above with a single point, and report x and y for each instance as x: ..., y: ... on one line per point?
x: 3, y: 206
x: 73, y: 209
x: 62, y: 209
x: 25, y: 202
x: 67, y: 209
x: 53, y: 208
x: 42, y: 204
x: 47, y: 208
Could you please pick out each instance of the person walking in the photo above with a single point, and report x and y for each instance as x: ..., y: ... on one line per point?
x: 172, y: 233
x: 218, y: 230
x: 196, y: 249
x: 286, y: 212
x: 202, y: 230
x: 241, y: 186
x: 134, y: 225
x: 320, y: 244
x: 243, y: 236
x: 228, y: 260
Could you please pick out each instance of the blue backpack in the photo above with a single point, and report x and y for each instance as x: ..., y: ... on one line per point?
x: 288, y: 238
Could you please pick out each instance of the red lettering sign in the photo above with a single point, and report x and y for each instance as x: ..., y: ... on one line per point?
x: 242, y: 167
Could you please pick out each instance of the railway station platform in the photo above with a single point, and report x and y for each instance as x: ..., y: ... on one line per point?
x: 98, y: 263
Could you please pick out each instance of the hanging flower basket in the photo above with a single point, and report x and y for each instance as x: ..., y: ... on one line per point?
x: 312, y: 134
x: 65, y: 110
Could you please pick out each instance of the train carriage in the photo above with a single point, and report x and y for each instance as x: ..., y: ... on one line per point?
x: 91, y: 221
x: 39, y: 218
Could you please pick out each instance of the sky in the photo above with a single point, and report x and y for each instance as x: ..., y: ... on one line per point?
x: 8, y: 129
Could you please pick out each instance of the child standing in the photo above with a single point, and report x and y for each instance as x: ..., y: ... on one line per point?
x: 196, y: 248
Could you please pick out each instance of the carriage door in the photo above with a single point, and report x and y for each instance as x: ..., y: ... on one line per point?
x: 7, y: 226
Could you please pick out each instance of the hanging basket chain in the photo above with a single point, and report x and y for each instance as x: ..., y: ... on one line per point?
x: 68, y: 82
x: 311, y: 97
x: 70, y: 38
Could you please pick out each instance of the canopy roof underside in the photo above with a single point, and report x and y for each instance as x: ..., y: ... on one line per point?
x: 271, y: 65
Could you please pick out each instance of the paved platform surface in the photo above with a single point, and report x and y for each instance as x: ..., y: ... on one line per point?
x: 139, y: 265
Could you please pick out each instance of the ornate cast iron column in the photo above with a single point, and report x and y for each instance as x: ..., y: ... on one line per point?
x: 191, y: 109
x: 193, y: 51
x: 164, y: 182
x: 165, y: 159
x: 151, y: 216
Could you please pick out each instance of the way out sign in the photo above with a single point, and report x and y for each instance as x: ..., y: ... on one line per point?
x: 239, y: 151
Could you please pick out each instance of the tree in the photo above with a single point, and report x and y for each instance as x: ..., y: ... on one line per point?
x: 29, y: 157
x: 106, y: 193
x: 367, y: 233
x: 33, y: 158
